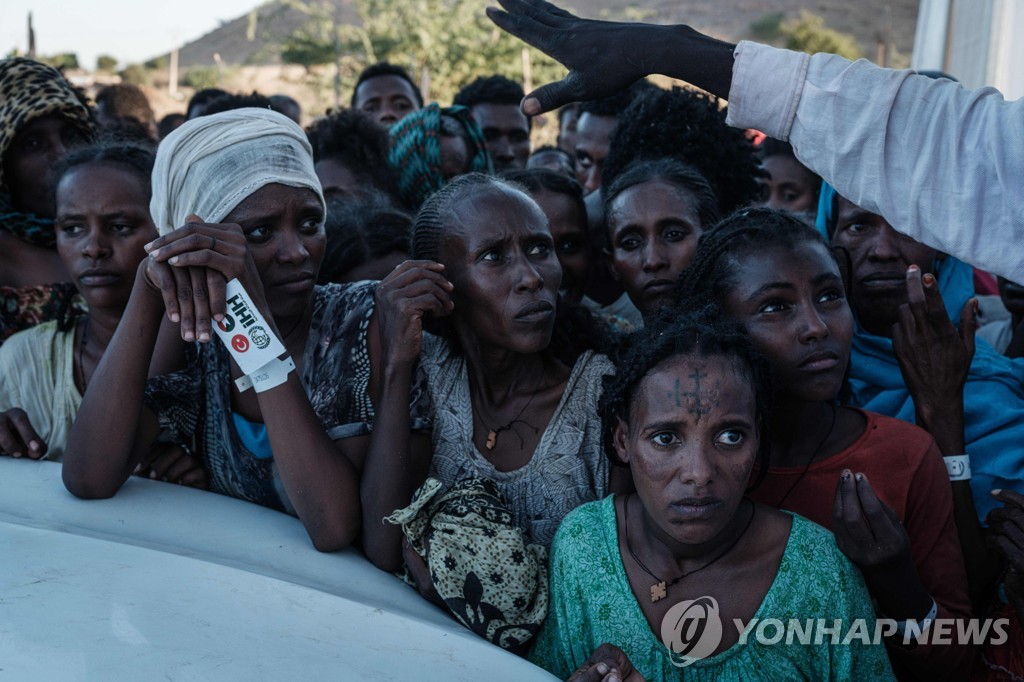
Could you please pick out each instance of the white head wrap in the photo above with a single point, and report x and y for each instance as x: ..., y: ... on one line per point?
x: 211, y: 164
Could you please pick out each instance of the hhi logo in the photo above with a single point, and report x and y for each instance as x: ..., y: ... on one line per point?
x: 692, y: 630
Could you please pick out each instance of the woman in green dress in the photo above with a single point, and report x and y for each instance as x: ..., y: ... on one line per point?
x: 664, y: 584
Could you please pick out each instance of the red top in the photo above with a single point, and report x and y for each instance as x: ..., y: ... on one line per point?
x: 906, y: 471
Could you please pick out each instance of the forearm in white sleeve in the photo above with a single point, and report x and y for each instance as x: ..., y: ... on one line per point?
x: 941, y: 163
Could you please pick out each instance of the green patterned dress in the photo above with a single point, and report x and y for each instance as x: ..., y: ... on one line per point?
x: 591, y: 603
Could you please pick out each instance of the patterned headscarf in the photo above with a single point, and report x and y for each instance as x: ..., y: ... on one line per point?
x: 210, y: 164
x: 490, y: 579
x: 31, y: 90
x: 416, y: 151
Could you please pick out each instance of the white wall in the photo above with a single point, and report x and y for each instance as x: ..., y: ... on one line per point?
x: 977, y: 41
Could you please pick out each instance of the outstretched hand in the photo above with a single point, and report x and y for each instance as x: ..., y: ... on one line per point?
x: 603, y: 57
x: 934, y: 356
x: 608, y: 663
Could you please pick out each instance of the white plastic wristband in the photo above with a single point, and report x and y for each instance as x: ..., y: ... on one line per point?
x: 246, y: 334
x: 958, y: 467
x: 269, y: 376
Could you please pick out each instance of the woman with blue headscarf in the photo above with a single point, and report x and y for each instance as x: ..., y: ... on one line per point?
x: 993, y: 396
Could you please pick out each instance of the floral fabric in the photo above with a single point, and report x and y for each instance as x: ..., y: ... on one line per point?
x: 592, y: 603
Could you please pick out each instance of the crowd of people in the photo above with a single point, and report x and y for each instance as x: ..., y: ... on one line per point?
x: 763, y: 355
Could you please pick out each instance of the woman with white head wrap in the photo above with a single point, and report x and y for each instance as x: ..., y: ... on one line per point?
x: 296, y: 447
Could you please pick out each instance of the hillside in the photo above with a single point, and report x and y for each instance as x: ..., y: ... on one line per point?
x: 253, y: 38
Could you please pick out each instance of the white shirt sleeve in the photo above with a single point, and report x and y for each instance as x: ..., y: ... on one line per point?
x: 940, y: 163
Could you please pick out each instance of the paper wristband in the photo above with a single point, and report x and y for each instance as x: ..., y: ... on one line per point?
x: 245, y: 332
x: 270, y: 375
x: 958, y: 467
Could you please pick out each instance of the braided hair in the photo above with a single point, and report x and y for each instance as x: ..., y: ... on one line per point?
x: 711, y: 273
x: 575, y: 330
x: 425, y: 238
x: 536, y: 180
x: 696, y: 334
x: 137, y: 160
x: 673, y: 172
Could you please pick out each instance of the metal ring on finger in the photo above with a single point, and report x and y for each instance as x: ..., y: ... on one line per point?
x: 213, y: 246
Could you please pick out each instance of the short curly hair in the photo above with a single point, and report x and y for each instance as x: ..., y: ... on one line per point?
x: 230, y: 102
x: 490, y: 90
x: 697, y: 334
x: 124, y: 100
x: 614, y: 105
x: 690, y: 127
x: 354, y: 139
x: 137, y: 159
x: 386, y: 69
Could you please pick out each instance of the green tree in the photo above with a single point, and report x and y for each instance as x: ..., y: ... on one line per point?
x: 135, y: 74
x: 201, y: 77
x: 157, y: 63
x: 106, y: 63
x: 808, y: 33
x: 450, y: 41
x: 64, y: 60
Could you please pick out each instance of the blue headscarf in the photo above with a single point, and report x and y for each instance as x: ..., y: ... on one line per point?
x: 993, y: 396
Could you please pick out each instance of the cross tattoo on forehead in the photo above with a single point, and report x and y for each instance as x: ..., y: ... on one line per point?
x: 698, y: 405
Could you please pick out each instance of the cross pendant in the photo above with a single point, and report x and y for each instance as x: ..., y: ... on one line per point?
x: 658, y: 591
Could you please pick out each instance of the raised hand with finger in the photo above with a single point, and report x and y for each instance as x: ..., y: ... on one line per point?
x: 935, y: 358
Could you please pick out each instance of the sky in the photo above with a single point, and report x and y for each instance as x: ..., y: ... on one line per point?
x: 130, y: 30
